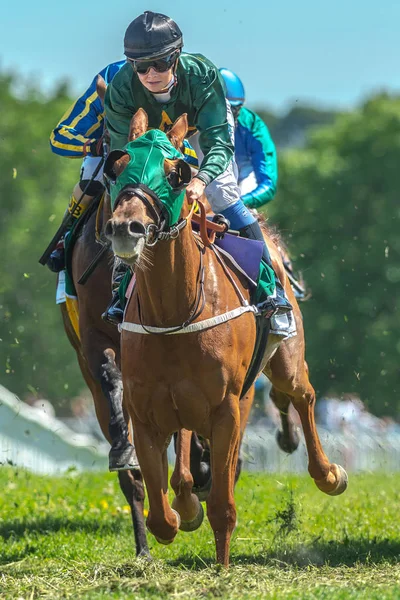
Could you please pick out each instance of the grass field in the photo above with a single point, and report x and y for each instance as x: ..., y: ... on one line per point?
x: 71, y: 537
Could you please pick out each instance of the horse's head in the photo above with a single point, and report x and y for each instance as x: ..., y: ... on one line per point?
x: 148, y: 186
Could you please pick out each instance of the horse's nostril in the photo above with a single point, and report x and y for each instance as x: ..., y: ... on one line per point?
x: 136, y: 228
x: 109, y: 228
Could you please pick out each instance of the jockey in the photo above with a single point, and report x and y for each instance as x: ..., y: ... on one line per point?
x: 255, y: 152
x: 256, y: 160
x: 79, y: 134
x: 166, y: 83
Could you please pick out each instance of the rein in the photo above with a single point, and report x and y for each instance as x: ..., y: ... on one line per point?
x: 198, y: 305
x: 154, y: 233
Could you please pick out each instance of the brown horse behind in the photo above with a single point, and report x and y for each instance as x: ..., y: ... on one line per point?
x: 193, y: 382
x: 98, y: 355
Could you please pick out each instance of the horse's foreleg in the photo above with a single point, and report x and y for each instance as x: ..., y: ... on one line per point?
x: 185, y: 502
x: 200, y: 466
x: 122, y: 454
x: 163, y: 521
x: 288, y: 439
x: 221, y: 510
x: 100, y: 354
x: 131, y: 484
x: 288, y: 374
x: 245, y: 407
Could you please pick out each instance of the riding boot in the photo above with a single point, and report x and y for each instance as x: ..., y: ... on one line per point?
x: 278, y: 303
x: 56, y: 260
x: 114, y: 312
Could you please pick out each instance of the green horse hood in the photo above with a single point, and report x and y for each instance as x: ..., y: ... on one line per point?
x: 146, y: 166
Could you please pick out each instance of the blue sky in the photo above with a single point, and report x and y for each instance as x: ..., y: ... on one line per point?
x: 330, y: 54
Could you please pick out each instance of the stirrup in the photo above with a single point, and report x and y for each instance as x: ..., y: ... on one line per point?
x: 56, y: 260
x: 274, y: 306
x: 268, y: 308
x: 221, y: 220
x: 113, y: 313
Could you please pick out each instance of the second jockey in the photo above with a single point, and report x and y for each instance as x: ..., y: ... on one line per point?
x: 79, y: 134
x: 166, y: 83
x: 255, y: 152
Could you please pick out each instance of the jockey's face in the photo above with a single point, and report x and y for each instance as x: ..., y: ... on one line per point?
x: 155, y: 81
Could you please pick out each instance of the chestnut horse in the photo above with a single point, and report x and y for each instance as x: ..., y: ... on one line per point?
x: 183, y: 370
x: 98, y: 353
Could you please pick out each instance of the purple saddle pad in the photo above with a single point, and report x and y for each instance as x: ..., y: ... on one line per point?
x: 247, y: 253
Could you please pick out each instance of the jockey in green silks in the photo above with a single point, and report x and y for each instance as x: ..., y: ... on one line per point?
x: 166, y: 83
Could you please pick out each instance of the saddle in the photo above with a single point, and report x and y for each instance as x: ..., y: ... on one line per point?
x: 72, y: 237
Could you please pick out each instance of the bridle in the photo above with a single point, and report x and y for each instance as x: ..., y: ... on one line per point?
x: 159, y: 229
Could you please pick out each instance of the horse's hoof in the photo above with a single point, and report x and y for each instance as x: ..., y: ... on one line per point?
x: 288, y: 443
x: 167, y: 542
x: 164, y: 542
x: 336, y: 487
x: 145, y: 554
x: 195, y: 523
x: 202, y: 492
x: 342, y: 481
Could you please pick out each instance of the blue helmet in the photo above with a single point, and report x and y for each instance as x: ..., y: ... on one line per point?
x: 234, y: 87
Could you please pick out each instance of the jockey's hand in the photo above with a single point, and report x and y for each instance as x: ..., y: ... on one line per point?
x: 96, y: 148
x: 195, y: 190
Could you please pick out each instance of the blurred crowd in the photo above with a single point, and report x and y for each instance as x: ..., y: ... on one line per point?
x: 347, y: 414
x: 80, y: 415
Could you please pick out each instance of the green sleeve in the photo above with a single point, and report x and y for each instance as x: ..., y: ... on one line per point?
x: 117, y: 108
x: 211, y: 122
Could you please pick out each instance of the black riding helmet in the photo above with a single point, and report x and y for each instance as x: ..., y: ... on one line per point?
x: 152, y: 35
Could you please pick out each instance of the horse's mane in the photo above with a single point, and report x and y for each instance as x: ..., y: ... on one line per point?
x: 271, y: 230
x: 275, y: 235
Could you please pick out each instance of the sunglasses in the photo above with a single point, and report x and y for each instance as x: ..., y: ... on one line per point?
x: 158, y: 64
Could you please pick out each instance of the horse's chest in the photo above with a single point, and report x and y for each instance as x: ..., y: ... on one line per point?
x: 169, y: 406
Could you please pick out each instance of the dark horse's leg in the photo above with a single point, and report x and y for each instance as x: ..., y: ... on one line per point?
x: 122, y: 455
x: 96, y: 353
x: 131, y: 482
x: 112, y: 418
x: 200, y: 466
x: 288, y: 438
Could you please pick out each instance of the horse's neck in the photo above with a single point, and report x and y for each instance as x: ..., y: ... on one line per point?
x: 168, y: 288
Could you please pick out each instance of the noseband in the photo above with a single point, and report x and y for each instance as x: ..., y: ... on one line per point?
x: 159, y: 230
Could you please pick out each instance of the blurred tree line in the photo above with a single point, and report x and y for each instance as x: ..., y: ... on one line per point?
x: 336, y: 206
x: 35, y: 356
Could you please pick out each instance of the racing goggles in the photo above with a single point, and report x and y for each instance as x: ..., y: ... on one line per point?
x: 158, y: 64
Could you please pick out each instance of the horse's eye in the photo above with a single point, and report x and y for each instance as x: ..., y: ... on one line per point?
x: 174, y: 179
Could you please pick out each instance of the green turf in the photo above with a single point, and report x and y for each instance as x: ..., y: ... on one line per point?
x: 71, y: 537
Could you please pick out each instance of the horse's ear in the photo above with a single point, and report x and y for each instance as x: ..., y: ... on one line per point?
x: 101, y: 88
x: 115, y: 164
x: 178, y: 131
x: 139, y: 124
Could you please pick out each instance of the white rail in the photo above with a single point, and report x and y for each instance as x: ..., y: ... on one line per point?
x: 29, y: 438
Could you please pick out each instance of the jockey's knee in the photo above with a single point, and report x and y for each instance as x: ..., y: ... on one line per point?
x: 82, y: 195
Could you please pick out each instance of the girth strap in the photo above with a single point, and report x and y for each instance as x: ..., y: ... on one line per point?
x: 193, y: 327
